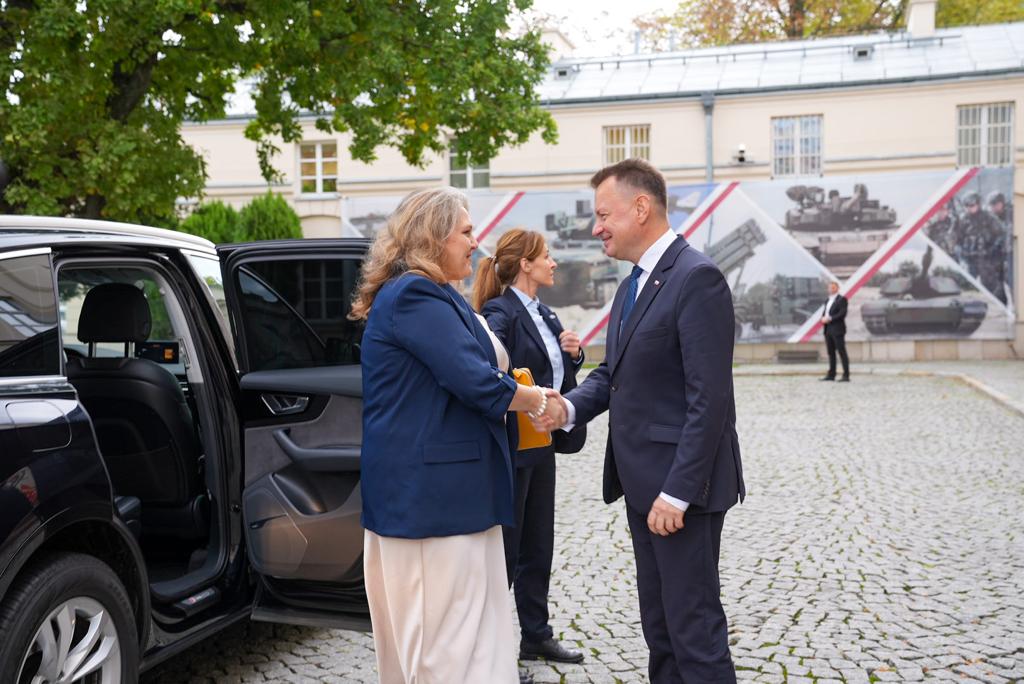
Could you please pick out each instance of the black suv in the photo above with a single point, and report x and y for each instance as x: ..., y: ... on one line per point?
x: 180, y: 427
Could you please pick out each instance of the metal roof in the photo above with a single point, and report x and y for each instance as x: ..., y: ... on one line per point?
x: 866, y: 59
x: 18, y: 227
x: 961, y: 52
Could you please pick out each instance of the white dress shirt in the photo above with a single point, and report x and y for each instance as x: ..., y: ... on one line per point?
x: 551, y: 344
x: 830, y: 302
x: 647, y: 262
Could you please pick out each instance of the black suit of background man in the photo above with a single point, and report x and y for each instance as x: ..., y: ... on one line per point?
x: 834, y: 319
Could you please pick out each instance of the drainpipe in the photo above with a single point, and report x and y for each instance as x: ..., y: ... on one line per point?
x: 708, y: 101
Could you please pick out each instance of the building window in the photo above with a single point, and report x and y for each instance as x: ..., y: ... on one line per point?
x: 796, y: 145
x: 984, y: 134
x: 318, y: 167
x: 463, y: 173
x: 626, y: 142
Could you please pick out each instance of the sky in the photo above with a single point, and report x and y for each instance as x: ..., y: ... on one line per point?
x: 600, y: 27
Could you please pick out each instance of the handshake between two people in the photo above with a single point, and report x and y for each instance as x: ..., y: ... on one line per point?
x: 551, y: 414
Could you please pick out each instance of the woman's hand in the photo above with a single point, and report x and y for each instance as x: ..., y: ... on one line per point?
x: 570, y: 342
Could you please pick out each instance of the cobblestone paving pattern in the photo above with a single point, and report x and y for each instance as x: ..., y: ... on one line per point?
x: 882, y: 540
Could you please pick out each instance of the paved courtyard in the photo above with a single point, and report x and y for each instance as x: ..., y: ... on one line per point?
x: 882, y: 540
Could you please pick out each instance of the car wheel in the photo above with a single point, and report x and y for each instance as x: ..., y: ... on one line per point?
x: 68, y: 619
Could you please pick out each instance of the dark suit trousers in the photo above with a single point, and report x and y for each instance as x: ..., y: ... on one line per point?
x: 680, y: 609
x: 837, y: 343
x: 529, y: 548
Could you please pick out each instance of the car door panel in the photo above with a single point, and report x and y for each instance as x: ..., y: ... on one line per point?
x: 302, y: 417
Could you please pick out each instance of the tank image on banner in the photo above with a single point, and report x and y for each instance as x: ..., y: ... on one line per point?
x: 843, y: 220
x: 921, y: 293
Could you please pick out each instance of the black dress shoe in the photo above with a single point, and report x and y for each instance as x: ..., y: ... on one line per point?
x: 828, y: 378
x: 525, y: 677
x: 548, y: 650
x: 845, y: 378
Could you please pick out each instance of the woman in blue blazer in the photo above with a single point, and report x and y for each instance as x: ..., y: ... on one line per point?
x: 505, y: 292
x: 436, y: 472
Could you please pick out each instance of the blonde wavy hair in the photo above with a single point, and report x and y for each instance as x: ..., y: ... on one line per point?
x: 412, y: 242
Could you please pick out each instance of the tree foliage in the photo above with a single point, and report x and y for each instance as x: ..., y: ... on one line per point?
x: 215, y: 221
x: 701, y: 23
x: 269, y: 217
x: 95, y: 91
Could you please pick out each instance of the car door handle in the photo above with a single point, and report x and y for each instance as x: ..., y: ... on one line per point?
x: 285, y: 404
x: 335, y: 459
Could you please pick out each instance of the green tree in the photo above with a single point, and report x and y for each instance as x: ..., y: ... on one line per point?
x: 215, y: 221
x: 701, y: 23
x: 95, y: 91
x: 269, y: 217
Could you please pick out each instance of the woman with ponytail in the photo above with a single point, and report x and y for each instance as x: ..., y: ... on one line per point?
x: 505, y: 292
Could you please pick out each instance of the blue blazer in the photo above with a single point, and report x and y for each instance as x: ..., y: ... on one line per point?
x: 435, y: 457
x: 509, y: 320
x: 667, y: 384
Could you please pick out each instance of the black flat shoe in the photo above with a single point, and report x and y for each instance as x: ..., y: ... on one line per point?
x: 827, y: 378
x: 525, y: 677
x: 548, y: 650
x: 845, y: 378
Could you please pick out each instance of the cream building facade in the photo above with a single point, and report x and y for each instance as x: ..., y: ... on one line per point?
x: 917, y: 103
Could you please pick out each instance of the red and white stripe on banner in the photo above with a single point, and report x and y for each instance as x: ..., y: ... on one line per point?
x: 499, y: 212
x: 893, y: 245
x: 689, y: 226
x: 706, y: 208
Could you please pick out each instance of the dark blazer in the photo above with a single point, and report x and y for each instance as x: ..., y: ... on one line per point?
x: 667, y: 384
x: 509, y: 320
x: 838, y: 314
x: 435, y: 457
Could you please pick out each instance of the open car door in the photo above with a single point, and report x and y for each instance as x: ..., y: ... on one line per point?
x: 301, y: 411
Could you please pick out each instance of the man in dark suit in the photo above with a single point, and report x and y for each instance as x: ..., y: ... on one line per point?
x: 834, y: 319
x: 672, y: 448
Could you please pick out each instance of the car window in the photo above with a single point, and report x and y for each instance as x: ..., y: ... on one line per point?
x: 209, y: 272
x: 293, y: 312
x: 74, y: 284
x: 28, y: 317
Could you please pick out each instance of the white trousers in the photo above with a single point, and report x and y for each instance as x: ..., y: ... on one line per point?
x: 440, y: 609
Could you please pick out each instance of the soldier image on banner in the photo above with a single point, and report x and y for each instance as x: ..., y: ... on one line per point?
x: 983, y: 246
x: 1002, y: 212
x: 944, y: 228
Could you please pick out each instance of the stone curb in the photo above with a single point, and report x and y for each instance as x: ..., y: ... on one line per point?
x: 1005, y: 400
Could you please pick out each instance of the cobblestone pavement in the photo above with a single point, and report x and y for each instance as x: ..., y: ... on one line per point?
x: 882, y: 540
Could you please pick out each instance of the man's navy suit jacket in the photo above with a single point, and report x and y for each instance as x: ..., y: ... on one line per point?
x: 509, y: 320
x: 667, y: 384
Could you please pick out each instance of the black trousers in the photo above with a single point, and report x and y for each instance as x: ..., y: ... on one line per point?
x: 680, y: 609
x: 837, y: 343
x: 530, y: 546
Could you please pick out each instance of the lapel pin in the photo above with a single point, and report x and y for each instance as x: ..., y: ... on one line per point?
x: 657, y: 282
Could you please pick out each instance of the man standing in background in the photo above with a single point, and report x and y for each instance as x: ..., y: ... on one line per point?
x: 834, y: 318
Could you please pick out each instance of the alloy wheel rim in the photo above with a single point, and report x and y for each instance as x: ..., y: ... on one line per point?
x: 76, y: 644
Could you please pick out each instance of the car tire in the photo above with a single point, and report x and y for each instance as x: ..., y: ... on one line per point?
x: 76, y: 603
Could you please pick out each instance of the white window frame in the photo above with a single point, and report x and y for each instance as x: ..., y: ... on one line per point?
x: 632, y: 141
x: 318, y: 176
x: 471, y: 176
x: 984, y: 134
x: 798, y: 151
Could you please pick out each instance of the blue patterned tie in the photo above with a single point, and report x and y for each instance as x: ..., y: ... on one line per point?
x: 631, y: 288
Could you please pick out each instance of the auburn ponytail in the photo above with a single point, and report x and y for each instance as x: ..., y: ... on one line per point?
x: 497, y: 272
